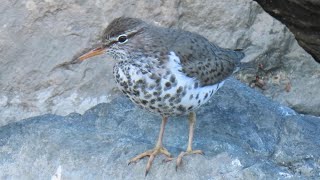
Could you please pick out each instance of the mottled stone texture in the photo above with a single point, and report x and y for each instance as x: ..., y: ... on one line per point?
x: 302, y: 17
x: 37, y: 35
x: 244, y: 136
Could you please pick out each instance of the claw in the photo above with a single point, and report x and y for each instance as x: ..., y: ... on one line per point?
x: 182, y: 154
x: 167, y: 160
x: 151, y: 158
x: 157, y: 150
x: 152, y: 154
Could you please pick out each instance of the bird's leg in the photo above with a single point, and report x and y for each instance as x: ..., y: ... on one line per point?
x: 158, y: 149
x: 192, y: 121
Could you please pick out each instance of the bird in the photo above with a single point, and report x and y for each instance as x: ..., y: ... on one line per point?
x: 167, y: 71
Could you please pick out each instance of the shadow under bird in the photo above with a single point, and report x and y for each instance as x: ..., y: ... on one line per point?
x: 167, y: 71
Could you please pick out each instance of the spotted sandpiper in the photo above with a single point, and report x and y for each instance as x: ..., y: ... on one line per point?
x: 167, y: 71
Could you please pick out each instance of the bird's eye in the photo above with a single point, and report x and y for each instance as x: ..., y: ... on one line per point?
x: 122, y: 38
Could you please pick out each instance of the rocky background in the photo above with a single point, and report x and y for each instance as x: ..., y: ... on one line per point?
x: 36, y: 36
x: 244, y: 134
x: 302, y: 18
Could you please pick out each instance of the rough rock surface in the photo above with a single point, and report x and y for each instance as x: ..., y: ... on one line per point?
x: 244, y: 135
x: 36, y: 36
x: 302, y: 17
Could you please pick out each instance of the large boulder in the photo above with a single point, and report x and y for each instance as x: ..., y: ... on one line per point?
x: 302, y: 17
x: 36, y: 36
x: 244, y: 136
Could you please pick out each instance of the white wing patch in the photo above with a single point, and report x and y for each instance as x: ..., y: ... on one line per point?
x: 189, y: 83
x: 176, y: 97
x: 175, y: 67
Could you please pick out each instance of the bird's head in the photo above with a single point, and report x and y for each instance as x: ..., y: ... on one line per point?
x: 122, y: 39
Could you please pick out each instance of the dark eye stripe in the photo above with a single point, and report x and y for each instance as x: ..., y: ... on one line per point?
x: 108, y: 37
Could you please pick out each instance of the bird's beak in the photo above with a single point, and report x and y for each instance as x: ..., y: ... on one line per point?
x: 93, y: 52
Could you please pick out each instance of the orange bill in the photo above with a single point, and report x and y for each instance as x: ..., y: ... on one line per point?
x: 94, y: 52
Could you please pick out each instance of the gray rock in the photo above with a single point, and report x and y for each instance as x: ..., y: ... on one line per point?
x: 302, y: 18
x: 37, y: 35
x: 244, y: 135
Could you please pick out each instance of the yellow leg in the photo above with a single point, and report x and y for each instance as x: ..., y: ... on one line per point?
x: 192, y: 121
x: 158, y: 149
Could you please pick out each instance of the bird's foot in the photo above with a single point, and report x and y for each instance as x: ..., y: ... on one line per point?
x: 152, y: 153
x: 188, y: 152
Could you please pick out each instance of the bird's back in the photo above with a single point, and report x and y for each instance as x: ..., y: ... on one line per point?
x: 201, y: 59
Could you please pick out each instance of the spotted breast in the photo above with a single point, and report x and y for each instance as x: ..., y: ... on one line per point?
x: 168, y: 92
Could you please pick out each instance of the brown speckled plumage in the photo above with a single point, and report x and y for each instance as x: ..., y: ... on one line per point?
x: 166, y: 71
x: 147, y: 51
x: 200, y: 58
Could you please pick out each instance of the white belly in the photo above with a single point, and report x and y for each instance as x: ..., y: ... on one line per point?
x: 168, y: 92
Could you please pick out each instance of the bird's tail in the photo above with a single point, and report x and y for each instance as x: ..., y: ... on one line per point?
x: 236, y: 55
x: 239, y: 54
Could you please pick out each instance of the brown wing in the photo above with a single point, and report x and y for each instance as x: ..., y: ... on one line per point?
x: 205, y: 61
